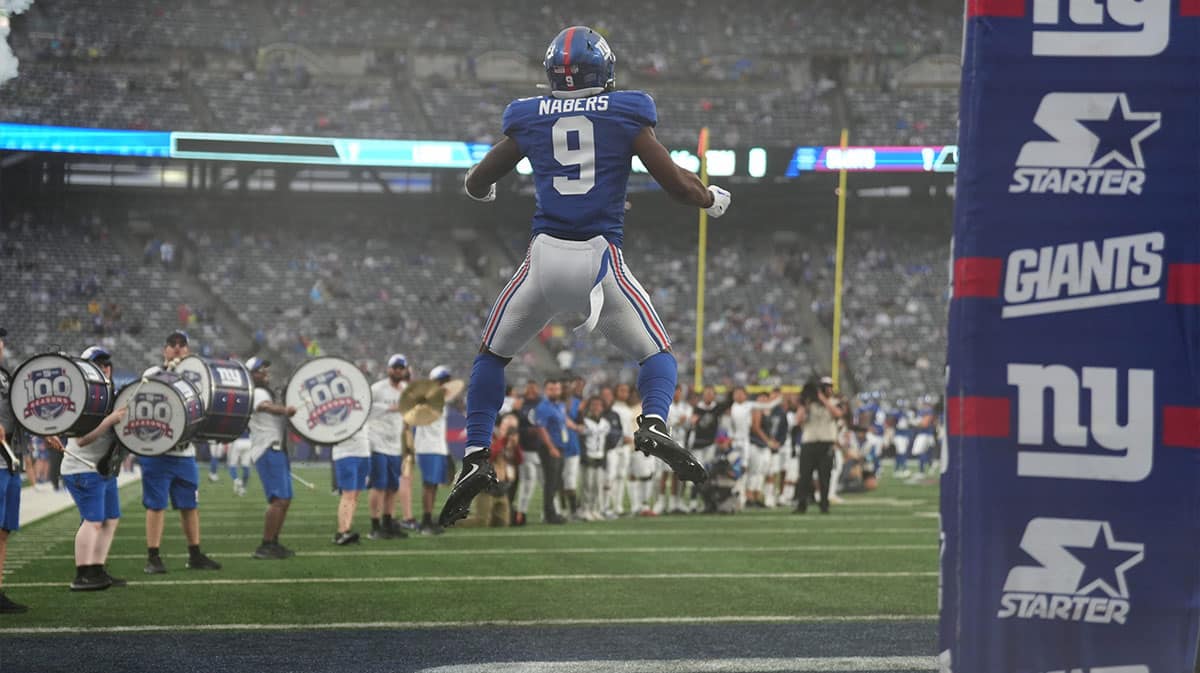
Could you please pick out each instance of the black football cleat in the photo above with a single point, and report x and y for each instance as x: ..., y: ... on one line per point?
x: 476, y: 475
x: 9, y: 607
x: 654, y: 439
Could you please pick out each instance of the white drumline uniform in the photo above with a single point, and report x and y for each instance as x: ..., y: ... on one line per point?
x: 432, y: 438
x: 619, y: 459
x: 740, y: 417
x: 266, y: 429
x: 384, y: 427
x: 354, y: 446
x: 241, y: 451
x: 591, y: 440
x: 92, y: 452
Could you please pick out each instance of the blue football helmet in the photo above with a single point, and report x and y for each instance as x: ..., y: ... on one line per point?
x: 579, y: 58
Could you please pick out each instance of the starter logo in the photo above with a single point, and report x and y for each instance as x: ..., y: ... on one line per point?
x: 1080, y: 576
x: 1097, y: 146
x: 1101, y: 28
x: 1075, y: 276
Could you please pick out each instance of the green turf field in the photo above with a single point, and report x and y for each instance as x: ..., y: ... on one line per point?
x: 874, y: 557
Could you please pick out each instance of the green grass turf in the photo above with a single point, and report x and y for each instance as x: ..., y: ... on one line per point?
x: 888, y: 531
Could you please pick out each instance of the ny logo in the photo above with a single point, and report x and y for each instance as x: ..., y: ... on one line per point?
x: 1128, y: 448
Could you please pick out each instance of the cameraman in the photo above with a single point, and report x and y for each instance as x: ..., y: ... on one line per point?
x: 818, y: 412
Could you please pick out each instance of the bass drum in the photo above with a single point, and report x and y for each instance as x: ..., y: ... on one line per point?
x: 225, y: 391
x: 164, y: 412
x: 57, y: 394
x: 332, y: 399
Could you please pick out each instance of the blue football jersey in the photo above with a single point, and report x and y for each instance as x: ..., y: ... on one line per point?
x: 581, y: 150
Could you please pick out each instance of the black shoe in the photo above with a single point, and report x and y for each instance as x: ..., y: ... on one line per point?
x: 654, y: 439
x: 476, y: 475
x: 397, y: 530
x: 7, y: 607
x: 202, y: 562
x: 155, y: 566
x: 800, y: 510
x: 115, y: 582
x: 381, y: 534
x: 271, y: 552
x: 432, y: 529
x: 349, y: 537
x: 95, y: 582
x: 556, y: 520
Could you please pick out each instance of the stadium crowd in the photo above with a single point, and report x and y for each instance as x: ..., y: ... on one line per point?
x: 360, y: 70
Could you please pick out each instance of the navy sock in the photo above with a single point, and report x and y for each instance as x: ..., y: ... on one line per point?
x: 485, y: 394
x: 656, y: 384
x: 245, y: 475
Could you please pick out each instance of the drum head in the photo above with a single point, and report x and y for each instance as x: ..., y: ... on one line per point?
x: 163, y: 411
x: 49, y: 392
x: 332, y: 398
x: 200, y: 372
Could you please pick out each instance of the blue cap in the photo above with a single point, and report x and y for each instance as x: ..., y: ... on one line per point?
x: 397, y: 360
x: 439, y: 373
x: 256, y: 363
x: 97, y: 354
x: 178, y: 334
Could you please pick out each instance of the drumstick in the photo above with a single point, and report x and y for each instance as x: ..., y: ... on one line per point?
x: 309, y: 484
x: 10, y: 455
x: 65, y: 450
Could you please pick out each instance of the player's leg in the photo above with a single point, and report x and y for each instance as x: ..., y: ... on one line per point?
x: 112, y: 513
x: 87, y: 490
x: 631, y: 324
x: 901, y: 443
x: 518, y: 314
x: 156, y: 481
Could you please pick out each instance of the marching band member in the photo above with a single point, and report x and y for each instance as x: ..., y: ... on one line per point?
x: 89, y: 470
x: 385, y: 429
x: 352, y: 464
x: 176, y: 476
x: 433, y: 456
x: 10, y: 482
x: 270, y: 459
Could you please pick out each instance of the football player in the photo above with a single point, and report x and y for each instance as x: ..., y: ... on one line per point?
x: 581, y: 140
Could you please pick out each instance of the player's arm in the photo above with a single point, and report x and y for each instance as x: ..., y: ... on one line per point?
x: 109, y: 421
x: 497, y: 163
x: 681, y: 184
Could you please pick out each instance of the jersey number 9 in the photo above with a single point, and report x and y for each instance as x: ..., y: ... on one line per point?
x: 584, y: 157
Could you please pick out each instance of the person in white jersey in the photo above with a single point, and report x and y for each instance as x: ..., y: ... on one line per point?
x: 270, y: 458
x: 385, y: 431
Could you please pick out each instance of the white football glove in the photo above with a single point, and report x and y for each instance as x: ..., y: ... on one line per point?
x: 720, y: 201
x: 491, y: 195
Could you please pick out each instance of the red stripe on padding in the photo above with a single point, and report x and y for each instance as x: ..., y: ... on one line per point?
x: 977, y: 276
x: 1189, y: 7
x: 978, y: 416
x: 1181, y: 427
x: 1006, y: 8
x: 1183, y: 284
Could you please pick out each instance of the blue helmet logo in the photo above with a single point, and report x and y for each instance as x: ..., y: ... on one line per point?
x: 580, y: 58
x: 49, y: 392
x: 149, y: 417
x: 330, y: 398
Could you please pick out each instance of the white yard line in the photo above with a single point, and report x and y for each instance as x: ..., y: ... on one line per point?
x: 349, y: 553
x: 731, y: 619
x: 765, y: 665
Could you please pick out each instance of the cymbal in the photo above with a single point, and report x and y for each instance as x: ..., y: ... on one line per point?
x: 421, y: 392
x: 454, y: 388
x: 422, y: 414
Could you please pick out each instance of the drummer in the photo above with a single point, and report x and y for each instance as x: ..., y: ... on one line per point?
x: 176, y: 475
x: 10, y: 481
x: 89, y: 470
x: 270, y: 459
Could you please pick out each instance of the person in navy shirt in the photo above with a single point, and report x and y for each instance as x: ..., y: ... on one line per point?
x: 580, y: 140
